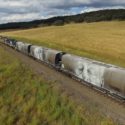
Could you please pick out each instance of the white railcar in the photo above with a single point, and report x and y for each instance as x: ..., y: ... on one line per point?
x: 114, y: 79
x: 19, y: 46
x: 37, y: 52
x: 72, y: 64
x: 53, y: 57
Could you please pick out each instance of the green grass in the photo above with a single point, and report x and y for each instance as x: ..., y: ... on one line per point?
x: 26, y: 99
x: 103, y: 41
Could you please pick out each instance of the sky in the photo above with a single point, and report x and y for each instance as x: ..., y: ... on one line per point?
x: 27, y: 10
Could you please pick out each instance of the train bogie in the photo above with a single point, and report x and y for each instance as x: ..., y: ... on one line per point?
x: 114, y: 79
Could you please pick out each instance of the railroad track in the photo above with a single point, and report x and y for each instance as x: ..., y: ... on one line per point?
x: 103, y: 92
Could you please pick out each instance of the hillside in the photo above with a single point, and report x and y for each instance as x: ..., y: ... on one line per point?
x: 101, y: 41
x: 97, y: 16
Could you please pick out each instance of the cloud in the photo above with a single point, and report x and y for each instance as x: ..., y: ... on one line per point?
x: 25, y: 10
x: 89, y: 9
x: 19, y: 17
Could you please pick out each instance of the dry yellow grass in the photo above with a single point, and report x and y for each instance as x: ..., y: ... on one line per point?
x: 103, y: 41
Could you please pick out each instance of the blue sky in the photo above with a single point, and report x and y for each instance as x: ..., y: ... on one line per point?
x: 26, y: 10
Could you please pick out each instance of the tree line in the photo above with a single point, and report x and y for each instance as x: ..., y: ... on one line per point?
x: 96, y: 16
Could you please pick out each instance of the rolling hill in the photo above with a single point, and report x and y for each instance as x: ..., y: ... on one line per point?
x: 96, y: 16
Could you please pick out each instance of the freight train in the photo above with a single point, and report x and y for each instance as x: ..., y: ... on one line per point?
x: 107, y: 77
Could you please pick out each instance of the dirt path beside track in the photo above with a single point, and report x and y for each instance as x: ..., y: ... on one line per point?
x: 74, y: 89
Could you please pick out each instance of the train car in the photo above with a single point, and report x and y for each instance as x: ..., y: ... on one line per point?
x: 93, y: 73
x: 12, y: 43
x: 106, y: 76
x: 37, y: 52
x: 7, y: 41
x: 84, y: 69
x: 53, y: 57
x: 114, y: 80
x: 73, y: 65
x: 26, y: 48
x: 19, y: 46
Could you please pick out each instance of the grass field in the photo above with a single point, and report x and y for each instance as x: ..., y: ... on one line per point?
x: 26, y: 99
x: 103, y: 41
